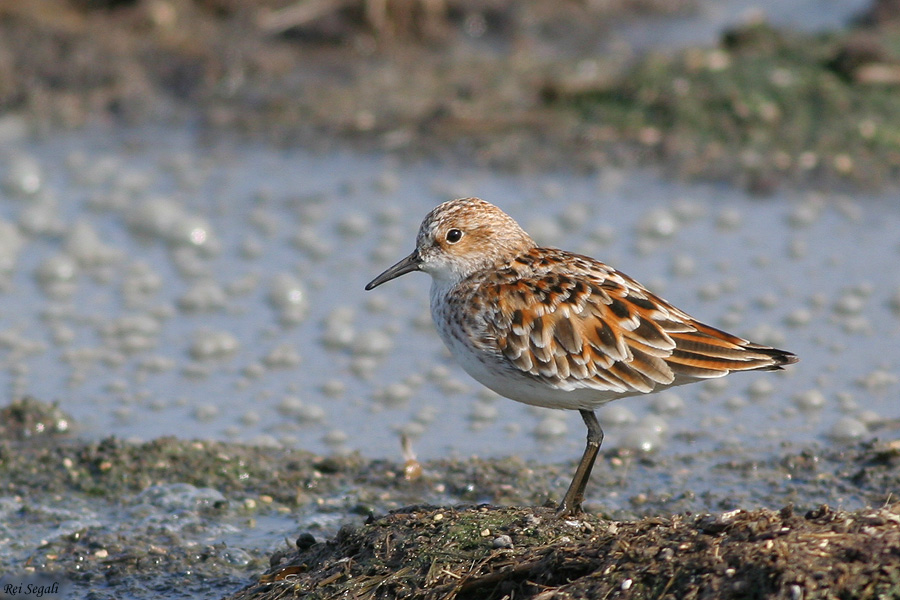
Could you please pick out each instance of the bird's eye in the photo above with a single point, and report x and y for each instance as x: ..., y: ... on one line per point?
x: 454, y: 235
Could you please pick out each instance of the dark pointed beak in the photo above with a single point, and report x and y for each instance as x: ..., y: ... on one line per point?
x: 407, y: 265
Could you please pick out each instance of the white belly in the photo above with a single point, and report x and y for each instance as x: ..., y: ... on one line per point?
x: 492, y: 370
x: 527, y: 389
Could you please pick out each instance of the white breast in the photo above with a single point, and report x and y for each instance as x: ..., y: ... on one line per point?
x: 492, y: 370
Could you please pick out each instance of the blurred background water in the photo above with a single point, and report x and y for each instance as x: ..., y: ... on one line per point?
x: 157, y: 285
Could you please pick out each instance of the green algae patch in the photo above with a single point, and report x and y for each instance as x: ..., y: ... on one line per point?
x: 112, y: 467
x: 427, y: 552
x: 28, y: 418
x: 771, y: 105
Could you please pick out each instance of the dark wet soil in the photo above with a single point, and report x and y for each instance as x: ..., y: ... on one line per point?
x: 516, y: 85
x: 491, y: 552
x: 487, y: 532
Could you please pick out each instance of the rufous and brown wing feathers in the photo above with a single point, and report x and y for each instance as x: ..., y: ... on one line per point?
x: 597, y: 328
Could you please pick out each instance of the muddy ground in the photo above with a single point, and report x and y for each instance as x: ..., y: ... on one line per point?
x: 491, y: 552
x: 515, y: 85
x: 489, y: 531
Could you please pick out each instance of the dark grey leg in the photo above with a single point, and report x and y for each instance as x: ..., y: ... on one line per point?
x: 571, y: 504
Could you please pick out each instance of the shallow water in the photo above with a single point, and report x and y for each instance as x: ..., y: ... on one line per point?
x: 156, y: 285
x: 704, y: 26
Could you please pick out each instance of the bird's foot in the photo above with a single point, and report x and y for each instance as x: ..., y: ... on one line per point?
x: 568, y: 508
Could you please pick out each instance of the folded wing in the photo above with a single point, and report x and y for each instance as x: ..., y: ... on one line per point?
x: 598, y: 328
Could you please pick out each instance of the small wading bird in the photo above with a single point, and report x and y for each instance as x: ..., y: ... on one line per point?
x: 551, y: 328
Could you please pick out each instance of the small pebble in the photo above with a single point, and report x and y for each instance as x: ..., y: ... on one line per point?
x: 667, y: 403
x: 849, y: 304
x: 24, y: 176
x: 878, y: 380
x: 394, y: 395
x: 372, y: 343
x: 353, y: 225
x: 482, y: 412
x: 336, y: 437
x: 334, y: 388
x: 640, y: 438
x: 282, y: 356
x: 550, y: 428
x: 729, y: 218
x: 659, y: 223
x: 761, y: 388
x: 206, y: 412
x: 426, y: 415
x: 203, y: 296
x: 617, y: 414
x: 798, y: 318
x: 288, y: 296
x: 683, y: 266
x: 211, y: 345
x: 805, y: 214
x: 894, y: 302
x: 848, y: 429
x: 809, y: 400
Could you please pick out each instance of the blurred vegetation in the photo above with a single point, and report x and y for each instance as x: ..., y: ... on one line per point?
x: 514, y: 85
x: 781, y: 104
